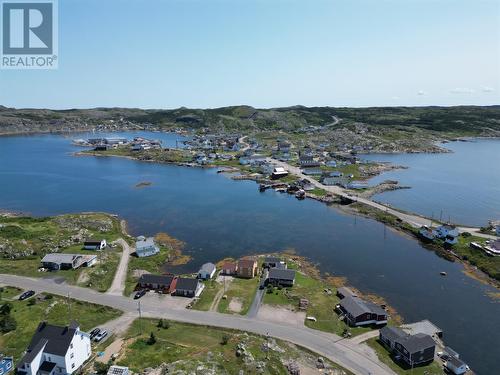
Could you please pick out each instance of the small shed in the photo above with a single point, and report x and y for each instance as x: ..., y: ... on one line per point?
x: 207, y: 271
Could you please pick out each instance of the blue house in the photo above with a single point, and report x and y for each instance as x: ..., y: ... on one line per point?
x: 6, y: 364
x: 145, y: 247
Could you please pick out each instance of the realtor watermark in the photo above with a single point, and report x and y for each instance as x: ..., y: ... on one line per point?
x: 29, y: 34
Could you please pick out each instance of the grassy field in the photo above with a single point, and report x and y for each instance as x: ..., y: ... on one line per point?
x: 241, y: 289
x: 28, y: 239
x: 187, y: 347
x: 206, y: 299
x: 54, y: 310
x: 488, y: 264
x: 8, y: 292
x: 434, y: 368
x: 321, y: 303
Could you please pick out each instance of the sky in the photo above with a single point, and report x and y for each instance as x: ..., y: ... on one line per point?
x: 269, y: 53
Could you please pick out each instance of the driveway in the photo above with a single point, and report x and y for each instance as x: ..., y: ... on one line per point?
x: 118, y: 285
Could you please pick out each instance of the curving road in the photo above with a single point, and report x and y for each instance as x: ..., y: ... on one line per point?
x: 412, y: 219
x: 353, y: 356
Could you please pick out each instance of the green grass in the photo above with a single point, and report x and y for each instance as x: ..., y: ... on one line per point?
x: 150, y: 264
x: 187, y: 346
x: 321, y: 304
x: 54, y: 311
x: 488, y: 264
x: 8, y: 292
x: 434, y: 368
x: 319, y: 192
x: 242, y: 289
x: 212, y: 287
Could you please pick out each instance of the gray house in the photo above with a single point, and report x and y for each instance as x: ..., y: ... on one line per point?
x: 358, y: 312
x: 281, y: 277
x: 187, y: 287
x: 413, y: 350
x: 146, y: 247
x: 58, y: 261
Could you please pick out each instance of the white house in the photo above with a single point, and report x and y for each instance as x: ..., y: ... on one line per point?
x: 94, y: 244
x: 145, y: 247
x: 55, y: 350
x: 456, y: 366
x: 279, y: 172
x: 207, y: 271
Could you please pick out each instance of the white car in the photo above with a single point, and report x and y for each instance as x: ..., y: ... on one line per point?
x: 101, y: 335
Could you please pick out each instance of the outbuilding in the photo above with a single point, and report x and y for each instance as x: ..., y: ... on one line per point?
x: 94, y: 244
x: 207, y: 271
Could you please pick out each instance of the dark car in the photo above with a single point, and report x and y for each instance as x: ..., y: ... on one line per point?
x: 94, y: 332
x: 140, y: 293
x: 26, y: 295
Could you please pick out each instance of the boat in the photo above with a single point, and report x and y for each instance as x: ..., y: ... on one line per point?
x: 442, y: 273
x: 263, y: 187
x: 475, y: 245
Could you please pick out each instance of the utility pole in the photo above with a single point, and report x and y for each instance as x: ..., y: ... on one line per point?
x: 69, y: 309
x: 140, y: 316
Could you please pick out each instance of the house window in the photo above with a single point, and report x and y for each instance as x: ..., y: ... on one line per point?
x: 72, y: 365
x: 71, y: 345
x: 72, y: 355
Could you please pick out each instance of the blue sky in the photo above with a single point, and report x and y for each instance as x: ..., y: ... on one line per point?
x: 167, y: 54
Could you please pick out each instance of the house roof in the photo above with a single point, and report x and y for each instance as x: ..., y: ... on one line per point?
x: 281, y: 274
x: 272, y: 260
x: 92, y: 241
x: 148, y: 278
x: 33, y: 351
x: 247, y: 263
x: 57, y: 338
x: 60, y: 258
x: 185, y: 283
x: 393, y: 333
x: 228, y: 265
x: 457, y: 362
x: 345, y: 291
x: 418, y: 342
x: 145, y: 244
x: 356, y: 306
x: 207, y: 267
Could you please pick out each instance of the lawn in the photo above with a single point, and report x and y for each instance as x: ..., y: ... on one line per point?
x: 242, y: 289
x: 28, y: 239
x: 434, y: 368
x: 54, y: 310
x: 150, y: 264
x: 186, y: 347
x: 8, y: 292
x: 321, y: 303
x: 486, y: 263
x: 206, y: 299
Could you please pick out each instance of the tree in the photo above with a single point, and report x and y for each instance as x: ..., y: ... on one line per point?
x: 225, y: 340
x: 7, y: 324
x: 101, y: 368
x: 152, y: 339
x: 5, y: 309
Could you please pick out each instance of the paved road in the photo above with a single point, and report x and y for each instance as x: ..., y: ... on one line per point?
x: 354, y: 357
x: 118, y: 285
x: 254, y: 308
x: 412, y: 219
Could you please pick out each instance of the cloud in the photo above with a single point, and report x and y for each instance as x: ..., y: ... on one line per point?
x: 421, y: 93
x: 487, y: 89
x: 463, y: 90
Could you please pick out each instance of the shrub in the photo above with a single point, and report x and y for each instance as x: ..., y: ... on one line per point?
x: 225, y: 340
x: 7, y: 324
x: 152, y: 339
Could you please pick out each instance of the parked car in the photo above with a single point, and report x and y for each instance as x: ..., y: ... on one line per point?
x: 140, y: 293
x: 26, y: 295
x: 100, y: 335
x: 94, y: 332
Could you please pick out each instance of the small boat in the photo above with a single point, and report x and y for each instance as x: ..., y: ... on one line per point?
x: 426, y: 234
x: 263, y: 187
x: 442, y: 273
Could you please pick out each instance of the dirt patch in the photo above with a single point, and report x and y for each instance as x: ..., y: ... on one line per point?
x: 235, y: 305
x: 83, y: 278
x: 281, y: 315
